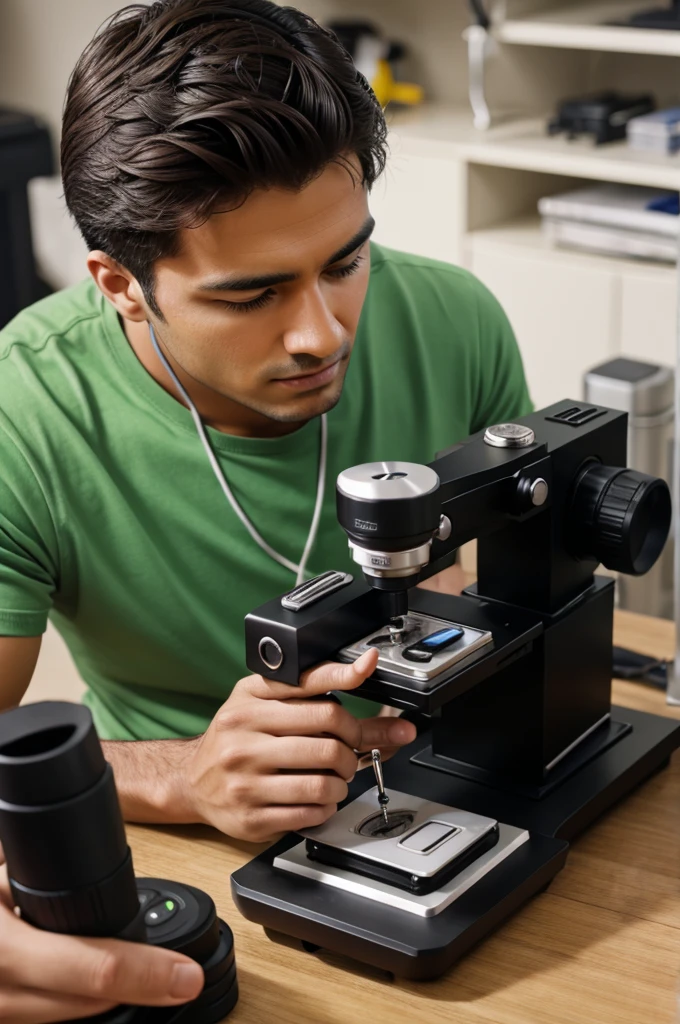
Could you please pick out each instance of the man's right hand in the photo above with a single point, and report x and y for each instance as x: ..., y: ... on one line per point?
x: 47, y: 977
x: 273, y: 761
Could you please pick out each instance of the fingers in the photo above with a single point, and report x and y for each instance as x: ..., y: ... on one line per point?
x: 385, y: 732
x: 5, y: 894
x: 272, y: 821
x: 330, y: 675
x: 104, y: 970
x: 298, y: 718
x: 366, y: 761
x: 251, y: 765
x: 308, y: 789
x: 303, y: 752
x: 27, y: 1006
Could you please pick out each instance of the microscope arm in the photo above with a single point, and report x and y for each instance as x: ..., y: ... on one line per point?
x: 481, y: 487
x: 477, y: 502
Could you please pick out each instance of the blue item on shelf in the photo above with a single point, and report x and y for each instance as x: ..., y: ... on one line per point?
x: 666, y: 204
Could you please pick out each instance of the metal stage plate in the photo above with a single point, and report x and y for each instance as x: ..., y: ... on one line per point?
x: 459, y: 830
x: 473, y: 643
x: 297, y: 862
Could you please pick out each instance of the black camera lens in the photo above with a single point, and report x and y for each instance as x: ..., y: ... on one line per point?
x: 70, y: 868
x: 69, y: 865
x: 622, y: 517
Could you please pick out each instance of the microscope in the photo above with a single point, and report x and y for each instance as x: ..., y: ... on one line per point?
x: 519, y: 747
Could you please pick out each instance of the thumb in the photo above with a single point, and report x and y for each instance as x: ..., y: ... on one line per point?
x: 329, y: 675
x: 333, y: 675
x: 106, y: 970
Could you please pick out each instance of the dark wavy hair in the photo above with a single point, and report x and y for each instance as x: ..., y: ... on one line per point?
x: 179, y: 106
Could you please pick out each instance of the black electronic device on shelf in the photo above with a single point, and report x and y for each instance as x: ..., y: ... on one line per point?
x: 524, y: 748
x: 654, y: 18
x: 70, y: 868
x: 604, y: 115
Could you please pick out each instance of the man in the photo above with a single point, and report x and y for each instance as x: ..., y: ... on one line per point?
x: 217, y: 157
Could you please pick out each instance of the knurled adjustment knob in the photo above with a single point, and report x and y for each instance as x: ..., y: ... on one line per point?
x: 622, y: 517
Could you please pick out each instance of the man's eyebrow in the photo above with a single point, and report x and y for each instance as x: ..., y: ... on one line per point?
x: 362, y: 235
x: 248, y: 284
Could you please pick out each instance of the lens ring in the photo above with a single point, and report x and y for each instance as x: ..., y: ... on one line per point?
x: 398, y: 822
x: 270, y: 653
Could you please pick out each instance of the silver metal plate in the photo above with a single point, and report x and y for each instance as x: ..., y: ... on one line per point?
x: 423, y: 674
x: 343, y: 832
x: 313, y: 590
x: 296, y: 862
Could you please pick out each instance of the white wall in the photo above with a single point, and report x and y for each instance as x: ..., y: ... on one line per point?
x: 40, y: 41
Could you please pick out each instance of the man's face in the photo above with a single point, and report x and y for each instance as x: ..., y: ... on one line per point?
x: 261, y: 304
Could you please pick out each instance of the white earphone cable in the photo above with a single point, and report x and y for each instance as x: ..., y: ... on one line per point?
x: 299, y: 570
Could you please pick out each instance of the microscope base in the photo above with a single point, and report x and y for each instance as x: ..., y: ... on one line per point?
x: 318, y: 916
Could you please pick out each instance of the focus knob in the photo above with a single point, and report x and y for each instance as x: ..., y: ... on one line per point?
x: 621, y: 518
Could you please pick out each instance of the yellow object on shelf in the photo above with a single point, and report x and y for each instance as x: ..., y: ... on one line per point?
x: 387, y: 89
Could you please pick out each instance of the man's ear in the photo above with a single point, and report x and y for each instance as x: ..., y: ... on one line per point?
x: 118, y: 285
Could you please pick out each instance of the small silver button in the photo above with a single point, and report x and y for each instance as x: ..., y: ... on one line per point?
x: 539, y: 491
x: 444, y: 531
x: 509, y: 435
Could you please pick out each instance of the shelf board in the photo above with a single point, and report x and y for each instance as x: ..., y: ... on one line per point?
x: 525, y: 145
x: 583, y: 26
x: 526, y: 234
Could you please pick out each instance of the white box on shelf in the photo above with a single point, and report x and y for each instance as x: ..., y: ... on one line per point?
x: 610, y: 241
x: 621, y: 206
x: 658, y: 132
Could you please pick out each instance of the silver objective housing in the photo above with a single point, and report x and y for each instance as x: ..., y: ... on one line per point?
x: 386, y: 502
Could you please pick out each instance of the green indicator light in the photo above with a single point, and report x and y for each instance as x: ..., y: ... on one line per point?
x: 169, y: 905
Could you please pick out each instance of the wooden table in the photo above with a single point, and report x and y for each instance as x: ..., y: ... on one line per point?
x: 600, y: 946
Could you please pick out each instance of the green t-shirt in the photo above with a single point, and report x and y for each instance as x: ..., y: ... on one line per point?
x: 112, y: 523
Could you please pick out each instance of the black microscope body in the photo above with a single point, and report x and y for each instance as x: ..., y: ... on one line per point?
x: 521, y: 740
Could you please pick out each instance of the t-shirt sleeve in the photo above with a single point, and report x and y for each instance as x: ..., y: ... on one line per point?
x: 502, y: 392
x: 28, y: 545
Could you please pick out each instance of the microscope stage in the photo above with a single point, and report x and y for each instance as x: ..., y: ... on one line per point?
x: 432, y: 855
x: 457, y: 644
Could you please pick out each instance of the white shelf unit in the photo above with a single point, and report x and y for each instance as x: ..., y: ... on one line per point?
x: 524, y: 144
x: 573, y: 309
x: 454, y: 195
x: 588, y: 26
x: 470, y: 197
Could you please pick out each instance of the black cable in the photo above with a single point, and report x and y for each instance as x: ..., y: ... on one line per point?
x: 480, y: 15
x: 639, y: 668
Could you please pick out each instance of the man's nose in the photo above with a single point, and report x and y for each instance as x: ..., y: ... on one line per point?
x: 312, y: 328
